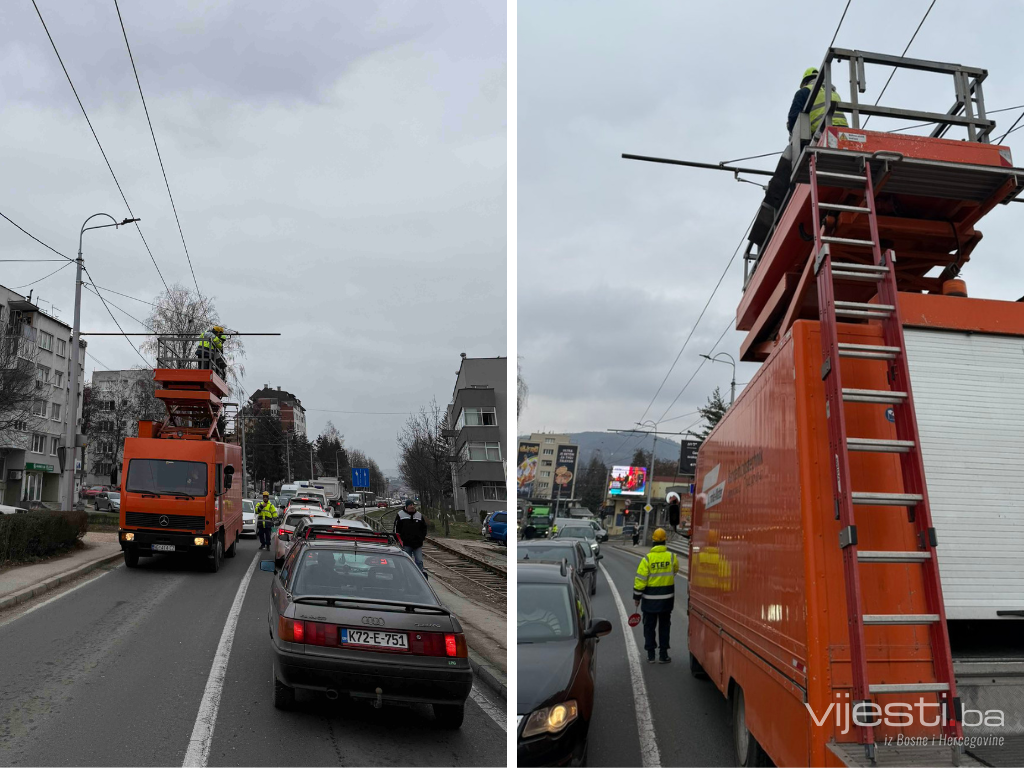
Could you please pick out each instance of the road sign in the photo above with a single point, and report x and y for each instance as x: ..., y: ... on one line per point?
x: 688, y: 457
x: 360, y: 477
x: 648, y: 507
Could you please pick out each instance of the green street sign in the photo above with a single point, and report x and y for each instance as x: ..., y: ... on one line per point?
x: 39, y: 467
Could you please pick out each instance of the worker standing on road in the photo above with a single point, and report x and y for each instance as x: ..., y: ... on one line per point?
x: 411, y: 529
x: 655, y: 585
x: 266, y: 514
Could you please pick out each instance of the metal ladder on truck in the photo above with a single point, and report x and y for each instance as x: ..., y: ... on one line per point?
x: 880, y: 270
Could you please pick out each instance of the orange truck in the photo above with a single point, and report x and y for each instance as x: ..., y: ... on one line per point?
x: 856, y: 572
x: 178, y: 493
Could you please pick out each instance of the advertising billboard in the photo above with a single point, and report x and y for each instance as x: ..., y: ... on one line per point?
x: 688, y: 457
x: 526, y: 469
x: 565, y: 471
x: 628, y: 481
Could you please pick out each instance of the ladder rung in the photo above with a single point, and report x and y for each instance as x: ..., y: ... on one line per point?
x: 843, y: 176
x: 867, y: 351
x: 862, y: 309
x: 886, y: 556
x: 841, y: 207
x: 848, y: 241
x: 874, y: 445
x: 873, y: 499
x: 908, y: 687
x: 874, y: 396
x: 900, y: 618
x: 860, y: 277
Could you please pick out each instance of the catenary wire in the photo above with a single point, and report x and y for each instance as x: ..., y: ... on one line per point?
x: 25, y: 231
x: 58, y: 269
x: 157, y: 148
x: 702, y: 361
x: 840, y: 24
x: 907, y: 48
x: 98, y: 144
x: 104, y: 301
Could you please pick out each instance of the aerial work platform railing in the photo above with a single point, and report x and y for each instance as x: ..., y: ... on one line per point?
x: 968, y: 108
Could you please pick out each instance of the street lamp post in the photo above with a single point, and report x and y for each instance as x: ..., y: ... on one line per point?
x: 650, y: 478
x: 732, y: 384
x: 69, y: 440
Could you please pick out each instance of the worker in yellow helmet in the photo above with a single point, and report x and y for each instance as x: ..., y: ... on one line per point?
x: 819, y: 107
x: 655, y: 585
x: 211, y: 350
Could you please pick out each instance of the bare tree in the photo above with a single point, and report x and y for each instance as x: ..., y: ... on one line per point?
x: 18, y: 391
x: 424, y: 455
x: 116, y: 407
x: 522, y: 391
x: 182, y: 311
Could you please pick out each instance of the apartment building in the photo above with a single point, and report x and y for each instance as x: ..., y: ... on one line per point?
x: 478, y: 413
x: 549, y: 451
x: 283, y: 403
x: 117, y: 401
x: 29, y: 464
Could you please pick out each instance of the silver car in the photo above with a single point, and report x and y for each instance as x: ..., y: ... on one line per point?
x: 351, y: 614
x: 249, y: 517
x: 281, y: 539
x: 108, y: 501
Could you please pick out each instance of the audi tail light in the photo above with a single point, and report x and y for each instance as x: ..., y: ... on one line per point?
x: 452, y: 645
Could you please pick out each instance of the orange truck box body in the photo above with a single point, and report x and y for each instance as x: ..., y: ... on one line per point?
x: 767, y: 602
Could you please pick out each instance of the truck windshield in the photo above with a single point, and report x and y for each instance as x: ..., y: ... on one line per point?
x: 166, y: 476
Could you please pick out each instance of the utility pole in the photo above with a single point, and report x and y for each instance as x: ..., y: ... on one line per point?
x: 70, y: 438
x: 732, y: 384
x: 245, y: 477
x: 288, y: 456
x: 312, y: 465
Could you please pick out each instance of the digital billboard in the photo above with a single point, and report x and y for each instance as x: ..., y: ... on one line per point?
x: 628, y: 481
x: 526, y: 469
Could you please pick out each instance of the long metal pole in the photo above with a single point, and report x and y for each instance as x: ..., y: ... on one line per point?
x: 245, y: 476
x: 288, y: 457
x: 69, y: 439
x: 650, y: 486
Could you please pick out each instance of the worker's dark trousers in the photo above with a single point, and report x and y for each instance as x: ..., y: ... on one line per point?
x: 663, y: 622
x: 264, y: 536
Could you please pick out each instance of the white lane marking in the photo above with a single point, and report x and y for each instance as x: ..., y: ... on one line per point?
x: 89, y: 579
x: 649, y: 754
x: 202, y: 732
x: 493, y: 712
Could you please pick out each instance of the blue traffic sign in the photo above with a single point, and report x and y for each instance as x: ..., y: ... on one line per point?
x: 360, y: 477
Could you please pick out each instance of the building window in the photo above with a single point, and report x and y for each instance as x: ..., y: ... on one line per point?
x: 546, y: 463
x: 545, y: 474
x: 20, y: 426
x: 55, y: 411
x: 549, y: 451
x: 493, y: 491
x: 54, y: 444
x: 483, y: 416
x: 42, y: 373
x: 33, y: 487
x: 482, y: 451
x: 549, y: 439
x: 39, y: 408
x: 46, y: 341
x: 38, y: 443
x: 58, y: 378
x: 62, y: 347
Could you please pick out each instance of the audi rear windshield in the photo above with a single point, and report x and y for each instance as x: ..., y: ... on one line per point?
x: 332, y: 573
x: 167, y: 477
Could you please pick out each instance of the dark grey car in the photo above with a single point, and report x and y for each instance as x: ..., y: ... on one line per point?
x: 351, y: 614
x: 579, y: 555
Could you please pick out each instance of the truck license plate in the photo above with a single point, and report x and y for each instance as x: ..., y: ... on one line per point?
x: 163, y: 547
x: 375, y: 639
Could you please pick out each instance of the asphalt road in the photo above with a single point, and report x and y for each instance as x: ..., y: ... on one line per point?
x: 113, y: 673
x: 690, y: 718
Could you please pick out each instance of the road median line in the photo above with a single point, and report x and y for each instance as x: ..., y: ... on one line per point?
x: 9, y: 601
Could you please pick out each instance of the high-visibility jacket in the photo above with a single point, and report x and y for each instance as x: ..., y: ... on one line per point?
x: 212, y: 340
x: 266, y: 513
x: 819, y: 107
x: 655, y: 581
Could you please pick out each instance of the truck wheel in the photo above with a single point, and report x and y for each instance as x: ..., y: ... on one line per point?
x: 131, y: 558
x: 214, y: 561
x: 449, y: 716
x: 230, y: 551
x: 696, y: 669
x: 748, y: 751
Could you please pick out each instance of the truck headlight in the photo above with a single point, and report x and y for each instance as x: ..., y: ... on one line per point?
x: 128, y: 536
x: 199, y: 541
x: 552, y: 719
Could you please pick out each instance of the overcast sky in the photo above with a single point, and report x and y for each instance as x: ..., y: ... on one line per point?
x: 339, y: 170
x: 617, y: 257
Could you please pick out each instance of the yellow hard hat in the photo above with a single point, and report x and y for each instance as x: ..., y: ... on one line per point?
x: 218, y: 329
x: 809, y: 72
x: 266, y: 493
x: 659, y: 535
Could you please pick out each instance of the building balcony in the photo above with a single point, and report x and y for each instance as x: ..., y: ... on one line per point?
x: 480, y: 471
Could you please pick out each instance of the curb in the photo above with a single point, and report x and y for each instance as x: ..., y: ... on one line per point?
x: 489, y: 674
x: 44, y: 586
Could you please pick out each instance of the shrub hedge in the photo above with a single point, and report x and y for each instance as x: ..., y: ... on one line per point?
x: 31, y: 535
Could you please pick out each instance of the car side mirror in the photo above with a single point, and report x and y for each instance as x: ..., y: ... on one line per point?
x: 229, y: 471
x: 597, y: 628
x: 598, y: 556
x: 268, y: 565
x: 589, y: 567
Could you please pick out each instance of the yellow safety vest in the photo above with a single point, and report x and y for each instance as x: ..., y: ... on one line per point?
x: 656, y: 575
x: 265, y: 513
x: 819, y: 108
x: 210, y: 339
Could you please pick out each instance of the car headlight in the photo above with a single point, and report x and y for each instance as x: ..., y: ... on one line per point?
x: 552, y: 719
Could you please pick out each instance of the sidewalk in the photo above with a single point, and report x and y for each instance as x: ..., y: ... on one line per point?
x: 485, y: 633
x: 19, y: 583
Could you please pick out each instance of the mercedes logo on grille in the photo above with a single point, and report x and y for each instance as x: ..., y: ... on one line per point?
x: 373, y: 621
x: 165, y: 520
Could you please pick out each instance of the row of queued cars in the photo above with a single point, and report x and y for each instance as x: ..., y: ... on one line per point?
x: 556, y: 639
x: 352, y: 615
